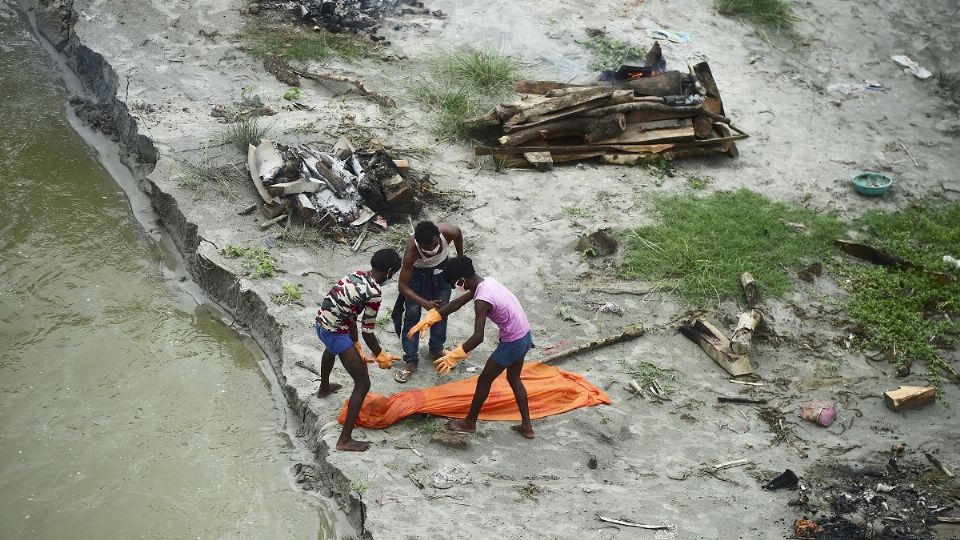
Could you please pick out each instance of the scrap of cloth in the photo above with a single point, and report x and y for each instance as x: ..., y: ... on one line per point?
x: 550, y: 391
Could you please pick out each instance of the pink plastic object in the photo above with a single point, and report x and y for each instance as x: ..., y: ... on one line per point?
x: 819, y: 411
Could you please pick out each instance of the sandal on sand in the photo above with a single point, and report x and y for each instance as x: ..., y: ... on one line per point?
x: 403, y: 374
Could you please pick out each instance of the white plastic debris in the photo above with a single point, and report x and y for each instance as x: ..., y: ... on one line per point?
x: 951, y: 260
x: 911, y: 67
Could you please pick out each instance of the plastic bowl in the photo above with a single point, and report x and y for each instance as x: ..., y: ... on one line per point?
x: 872, y: 184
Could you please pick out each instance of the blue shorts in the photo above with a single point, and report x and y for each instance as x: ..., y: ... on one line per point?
x: 508, y: 352
x: 335, y: 342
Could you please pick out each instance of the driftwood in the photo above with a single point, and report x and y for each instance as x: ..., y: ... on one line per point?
x: 874, y: 255
x: 252, y: 164
x: 631, y: 332
x: 729, y: 464
x: 717, y: 347
x: 742, y: 337
x: 633, y: 524
x: 386, y: 101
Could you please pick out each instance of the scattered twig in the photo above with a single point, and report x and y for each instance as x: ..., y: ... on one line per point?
x: 936, y: 463
x: 247, y: 210
x: 729, y: 464
x: 739, y: 399
x: 278, y: 219
x: 746, y: 382
x: 909, y: 154
x: 386, y: 101
x: 632, y: 524
x: 363, y: 235
x: 409, y: 447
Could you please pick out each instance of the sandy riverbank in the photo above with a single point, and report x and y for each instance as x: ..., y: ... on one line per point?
x: 806, y: 142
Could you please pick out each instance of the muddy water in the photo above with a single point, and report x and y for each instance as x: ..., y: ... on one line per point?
x: 126, y: 410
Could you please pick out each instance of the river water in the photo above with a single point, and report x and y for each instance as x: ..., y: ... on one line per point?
x: 126, y: 409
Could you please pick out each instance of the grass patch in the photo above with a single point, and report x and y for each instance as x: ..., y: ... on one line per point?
x: 609, y: 53
x: 704, y: 244
x: 774, y: 14
x: 482, y: 69
x: 290, y: 292
x: 295, y: 42
x: 245, y: 132
x: 464, y: 83
x: 257, y: 261
x: 905, y: 313
x: 204, y: 171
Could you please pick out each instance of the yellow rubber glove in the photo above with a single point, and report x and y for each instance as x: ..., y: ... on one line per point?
x: 385, y: 360
x: 445, y: 363
x: 363, y: 355
x: 431, y: 318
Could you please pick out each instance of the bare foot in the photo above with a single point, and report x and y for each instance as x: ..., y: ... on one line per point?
x: 329, y: 389
x: 526, y: 431
x: 461, y: 426
x: 353, y: 446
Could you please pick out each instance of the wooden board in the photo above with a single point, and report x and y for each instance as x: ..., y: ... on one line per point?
x: 636, y: 134
x: 292, y: 188
x: 255, y: 174
x: 717, y: 347
x: 541, y: 160
x: 909, y: 397
x: 558, y: 103
x: 540, y: 87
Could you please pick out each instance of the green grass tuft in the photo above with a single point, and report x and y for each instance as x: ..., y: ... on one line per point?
x: 257, y: 261
x: 480, y: 69
x: 465, y: 83
x: 774, y: 14
x: 705, y: 244
x: 905, y: 313
x: 301, y: 44
x: 245, y: 132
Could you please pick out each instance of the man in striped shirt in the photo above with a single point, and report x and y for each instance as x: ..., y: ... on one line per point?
x: 354, y: 299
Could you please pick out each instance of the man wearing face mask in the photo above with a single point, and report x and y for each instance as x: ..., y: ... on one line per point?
x: 422, y: 286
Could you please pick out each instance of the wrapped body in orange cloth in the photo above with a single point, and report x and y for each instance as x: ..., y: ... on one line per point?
x: 550, y: 391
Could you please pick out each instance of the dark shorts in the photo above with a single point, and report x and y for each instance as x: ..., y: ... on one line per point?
x: 335, y: 342
x: 508, y: 352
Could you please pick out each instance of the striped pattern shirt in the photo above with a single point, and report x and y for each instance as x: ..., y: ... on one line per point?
x: 355, y: 297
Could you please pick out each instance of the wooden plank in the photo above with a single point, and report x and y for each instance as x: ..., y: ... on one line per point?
x: 292, y: 188
x: 541, y: 160
x: 909, y: 397
x: 614, y: 123
x: 305, y: 206
x: 563, y: 158
x: 713, y: 102
x: 717, y: 347
x: 616, y: 98
x: 558, y: 103
x: 628, y: 148
x: 636, y: 134
x: 255, y: 173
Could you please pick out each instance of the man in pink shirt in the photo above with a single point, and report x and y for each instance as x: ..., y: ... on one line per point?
x: 494, y: 301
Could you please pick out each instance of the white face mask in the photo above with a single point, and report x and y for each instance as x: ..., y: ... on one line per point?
x: 430, y: 252
x: 459, y: 285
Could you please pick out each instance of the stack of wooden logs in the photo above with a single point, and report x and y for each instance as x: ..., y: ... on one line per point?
x: 667, y: 116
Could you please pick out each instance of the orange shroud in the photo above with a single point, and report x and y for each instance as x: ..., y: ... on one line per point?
x: 549, y: 391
